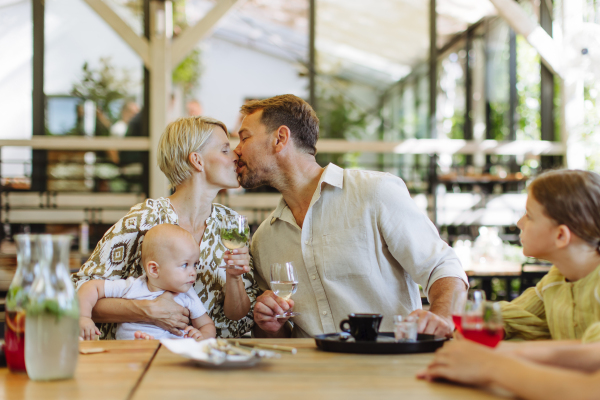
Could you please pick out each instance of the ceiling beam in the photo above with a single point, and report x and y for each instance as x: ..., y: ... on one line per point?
x: 137, y: 43
x: 190, y: 37
x: 537, y: 37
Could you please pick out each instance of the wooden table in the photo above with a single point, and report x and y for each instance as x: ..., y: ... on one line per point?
x: 505, y: 271
x: 104, y: 376
x: 308, y: 375
x: 136, y: 370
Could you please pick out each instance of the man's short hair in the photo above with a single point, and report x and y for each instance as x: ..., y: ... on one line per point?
x: 180, y: 139
x: 293, y: 112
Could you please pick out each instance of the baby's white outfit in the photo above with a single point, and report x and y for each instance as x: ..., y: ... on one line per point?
x: 137, y: 289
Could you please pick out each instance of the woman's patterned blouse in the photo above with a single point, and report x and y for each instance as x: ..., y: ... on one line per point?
x: 118, y: 256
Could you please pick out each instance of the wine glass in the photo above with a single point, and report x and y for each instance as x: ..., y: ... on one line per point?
x: 483, y: 324
x: 284, y: 283
x: 460, y: 301
x: 234, y: 232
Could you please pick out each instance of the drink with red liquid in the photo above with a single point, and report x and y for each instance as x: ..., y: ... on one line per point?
x: 457, y: 319
x: 487, y: 337
x: 17, y: 300
x: 14, y: 338
x: 484, y: 324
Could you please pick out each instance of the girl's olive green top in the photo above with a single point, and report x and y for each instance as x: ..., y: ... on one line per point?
x: 118, y: 256
x: 556, y: 309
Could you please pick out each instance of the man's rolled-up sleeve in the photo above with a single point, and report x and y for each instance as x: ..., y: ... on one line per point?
x: 412, y: 238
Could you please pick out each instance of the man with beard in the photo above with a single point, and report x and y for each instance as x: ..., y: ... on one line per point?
x: 356, y: 238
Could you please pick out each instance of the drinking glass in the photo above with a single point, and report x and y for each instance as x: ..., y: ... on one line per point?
x: 405, y: 328
x: 52, y: 314
x: 284, y: 283
x: 483, y: 324
x: 459, y: 302
x: 234, y: 233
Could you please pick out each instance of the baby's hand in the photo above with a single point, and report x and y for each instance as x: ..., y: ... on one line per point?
x: 142, y: 335
x: 191, y: 332
x: 87, y: 329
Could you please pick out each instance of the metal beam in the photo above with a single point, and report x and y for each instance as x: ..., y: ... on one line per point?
x: 186, y: 42
x: 433, y: 81
x: 311, y: 54
x: 433, y: 70
x: 137, y: 43
x: 518, y: 19
x: 513, y: 96
x: 39, y: 174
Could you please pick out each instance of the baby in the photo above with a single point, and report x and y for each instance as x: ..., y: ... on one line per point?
x: 169, y: 256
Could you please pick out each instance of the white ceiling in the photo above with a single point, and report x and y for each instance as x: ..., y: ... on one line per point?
x: 390, y: 35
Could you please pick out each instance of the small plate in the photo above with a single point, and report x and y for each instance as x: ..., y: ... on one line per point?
x: 385, y: 344
x: 202, y: 355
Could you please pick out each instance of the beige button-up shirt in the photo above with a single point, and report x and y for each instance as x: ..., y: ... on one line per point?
x: 363, y: 245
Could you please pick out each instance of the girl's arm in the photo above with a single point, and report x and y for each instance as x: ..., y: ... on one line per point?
x: 571, y: 354
x: 470, y: 363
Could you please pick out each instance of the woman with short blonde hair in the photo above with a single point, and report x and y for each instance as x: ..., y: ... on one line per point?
x: 195, y: 155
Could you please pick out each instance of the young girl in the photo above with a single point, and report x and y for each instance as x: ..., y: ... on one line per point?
x: 561, y: 225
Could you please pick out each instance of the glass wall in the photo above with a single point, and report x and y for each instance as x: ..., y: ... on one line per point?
x: 498, y: 87
x: 16, y: 38
x: 93, y: 84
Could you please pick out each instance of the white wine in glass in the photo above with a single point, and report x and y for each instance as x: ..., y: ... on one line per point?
x: 284, y: 283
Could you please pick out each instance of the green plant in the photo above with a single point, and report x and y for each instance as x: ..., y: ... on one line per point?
x: 187, y: 74
x: 103, y: 86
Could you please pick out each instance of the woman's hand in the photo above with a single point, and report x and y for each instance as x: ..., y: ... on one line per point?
x: 462, y: 361
x: 165, y: 313
x: 237, y: 257
x: 237, y: 303
x: 87, y: 329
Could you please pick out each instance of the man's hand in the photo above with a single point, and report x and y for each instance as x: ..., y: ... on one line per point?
x: 267, y: 306
x: 191, y: 332
x: 165, y: 313
x: 87, y: 329
x: 433, y: 324
x: 462, y: 361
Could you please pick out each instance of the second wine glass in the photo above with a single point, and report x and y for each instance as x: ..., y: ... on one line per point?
x: 284, y: 283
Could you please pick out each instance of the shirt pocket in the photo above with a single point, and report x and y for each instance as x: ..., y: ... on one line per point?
x: 346, y: 254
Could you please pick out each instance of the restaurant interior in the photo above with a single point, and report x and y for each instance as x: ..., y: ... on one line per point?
x: 467, y: 101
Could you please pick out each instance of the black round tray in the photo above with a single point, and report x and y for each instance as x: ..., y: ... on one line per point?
x: 385, y: 344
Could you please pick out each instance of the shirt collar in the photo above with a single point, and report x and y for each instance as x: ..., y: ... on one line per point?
x: 332, y: 175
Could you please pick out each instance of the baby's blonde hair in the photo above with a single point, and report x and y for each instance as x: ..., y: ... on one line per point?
x: 180, y: 139
x: 160, y: 238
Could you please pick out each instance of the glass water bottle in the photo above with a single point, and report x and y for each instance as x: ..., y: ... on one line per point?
x: 52, y: 323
